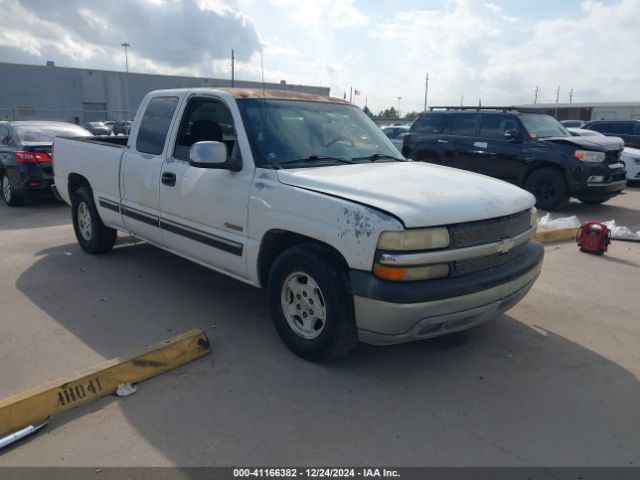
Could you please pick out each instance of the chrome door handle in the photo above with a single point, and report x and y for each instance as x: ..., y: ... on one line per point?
x: 480, y: 144
x: 440, y: 140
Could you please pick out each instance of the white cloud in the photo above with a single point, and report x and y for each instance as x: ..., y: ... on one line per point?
x: 322, y: 14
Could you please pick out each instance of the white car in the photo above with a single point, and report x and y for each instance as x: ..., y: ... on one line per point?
x: 630, y: 156
x: 396, y: 134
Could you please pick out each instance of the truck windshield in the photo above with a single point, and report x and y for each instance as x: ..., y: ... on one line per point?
x: 294, y: 134
x: 540, y: 126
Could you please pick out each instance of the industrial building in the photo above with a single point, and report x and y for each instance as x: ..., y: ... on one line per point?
x: 39, y: 92
x: 590, y: 111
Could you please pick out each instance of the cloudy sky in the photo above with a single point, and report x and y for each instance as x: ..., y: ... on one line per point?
x: 496, y: 51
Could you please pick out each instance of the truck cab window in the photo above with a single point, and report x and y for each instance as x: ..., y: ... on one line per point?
x: 205, y: 119
x: 154, y: 125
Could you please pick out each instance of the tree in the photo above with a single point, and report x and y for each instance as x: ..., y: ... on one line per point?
x: 368, y: 112
x: 411, y: 115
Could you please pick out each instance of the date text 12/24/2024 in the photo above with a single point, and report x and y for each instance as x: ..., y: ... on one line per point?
x: 315, y: 473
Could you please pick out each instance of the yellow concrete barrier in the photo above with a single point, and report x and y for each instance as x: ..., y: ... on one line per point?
x: 35, y: 405
x: 549, y: 236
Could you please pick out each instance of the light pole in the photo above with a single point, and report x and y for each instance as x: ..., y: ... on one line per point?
x: 126, y: 66
x: 399, y: 98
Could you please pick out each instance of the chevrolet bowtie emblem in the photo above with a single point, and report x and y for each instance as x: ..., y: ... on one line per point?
x: 504, y: 246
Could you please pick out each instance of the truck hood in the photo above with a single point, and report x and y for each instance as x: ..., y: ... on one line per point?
x: 601, y: 144
x: 417, y: 193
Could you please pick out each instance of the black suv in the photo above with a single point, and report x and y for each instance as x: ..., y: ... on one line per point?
x: 628, y: 130
x: 527, y: 148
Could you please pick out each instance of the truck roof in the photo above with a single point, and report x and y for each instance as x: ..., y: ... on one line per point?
x: 240, y: 93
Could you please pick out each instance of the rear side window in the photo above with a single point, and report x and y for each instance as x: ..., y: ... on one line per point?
x: 155, y: 125
x: 602, y: 127
x: 431, y: 123
x: 494, y: 126
x: 463, y: 124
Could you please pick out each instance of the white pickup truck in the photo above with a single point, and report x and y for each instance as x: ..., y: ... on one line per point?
x: 305, y: 196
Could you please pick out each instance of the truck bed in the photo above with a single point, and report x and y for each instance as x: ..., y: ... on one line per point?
x: 95, y: 158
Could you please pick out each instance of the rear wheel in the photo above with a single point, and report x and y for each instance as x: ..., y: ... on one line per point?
x: 311, y: 303
x: 11, y: 198
x: 549, y: 188
x: 92, y: 235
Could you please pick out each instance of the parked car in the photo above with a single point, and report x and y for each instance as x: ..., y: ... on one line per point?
x: 523, y: 147
x: 25, y: 157
x: 628, y: 130
x: 118, y: 127
x: 396, y: 134
x: 98, y: 128
x: 306, y: 197
x: 630, y: 156
x: 573, y: 123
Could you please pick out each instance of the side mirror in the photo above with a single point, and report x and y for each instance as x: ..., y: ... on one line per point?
x: 212, y: 155
x: 513, y: 135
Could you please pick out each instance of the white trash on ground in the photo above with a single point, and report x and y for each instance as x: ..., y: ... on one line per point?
x: 622, y: 233
x: 546, y: 223
x: 125, y: 389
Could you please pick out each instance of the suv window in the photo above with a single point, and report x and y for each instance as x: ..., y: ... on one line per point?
x: 430, y: 123
x: 155, y: 124
x: 205, y: 119
x: 494, y: 126
x: 463, y: 124
x: 603, y: 127
x: 5, y: 137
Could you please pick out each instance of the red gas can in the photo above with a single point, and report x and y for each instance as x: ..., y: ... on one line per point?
x: 593, y: 237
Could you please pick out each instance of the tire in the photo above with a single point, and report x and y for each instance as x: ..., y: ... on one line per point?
x: 10, y: 196
x: 549, y: 188
x: 92, y: 235
x: 594, y: 201
x: 318, y: 324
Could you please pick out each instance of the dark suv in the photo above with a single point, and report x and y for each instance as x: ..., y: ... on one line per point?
x: 527, y: 148
x: 628, y: 130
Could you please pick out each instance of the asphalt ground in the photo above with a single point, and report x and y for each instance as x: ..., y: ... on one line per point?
x: 553, y: 382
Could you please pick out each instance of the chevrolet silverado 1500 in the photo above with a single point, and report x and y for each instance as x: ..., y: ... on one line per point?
x: 304, y: 196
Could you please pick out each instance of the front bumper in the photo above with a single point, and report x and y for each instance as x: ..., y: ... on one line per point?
x: 599, y: 190
x: 389, y: 312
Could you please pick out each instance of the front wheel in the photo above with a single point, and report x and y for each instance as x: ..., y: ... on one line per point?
x: 311, y: 303
x: 92, y: 235
x: 549, y: 188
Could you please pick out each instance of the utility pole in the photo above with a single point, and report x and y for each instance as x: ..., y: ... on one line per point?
x: 233, y: 66
x: 461, y: 100
x: 126, y: 57
x: 535, y: 95
x: 571, y: 96
x: 557, y: 100
x: 399, y: 98
x: 426, y: 91
x: 126, y: 66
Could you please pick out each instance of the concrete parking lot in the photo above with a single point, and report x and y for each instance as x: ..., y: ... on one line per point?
x: 553, y: 382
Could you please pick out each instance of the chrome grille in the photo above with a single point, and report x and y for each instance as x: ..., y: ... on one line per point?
x: 488, y: 231
x: 463, y: 267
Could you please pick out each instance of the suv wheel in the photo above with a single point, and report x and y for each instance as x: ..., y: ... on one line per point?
x: 311, y: 304
x: 549, y: 188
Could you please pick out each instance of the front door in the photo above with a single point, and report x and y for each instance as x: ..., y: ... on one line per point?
x: 462, y: 131
x: 496, y: 155
x: 141, y: 167
x: 204, y: 211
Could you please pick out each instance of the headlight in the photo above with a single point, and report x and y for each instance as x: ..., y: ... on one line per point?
x: 409, y: 274
x: 534, y: 216
x: 589, y: 156
x: 421, y: 239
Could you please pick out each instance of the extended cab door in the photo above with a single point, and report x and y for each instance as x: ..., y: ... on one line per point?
x: 204, y: 210
x: 141, y: 166
x: 496, y: 155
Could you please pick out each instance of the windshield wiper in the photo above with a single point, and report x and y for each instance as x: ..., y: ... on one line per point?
x: 312, y: 160
x: 379, y: 156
